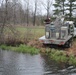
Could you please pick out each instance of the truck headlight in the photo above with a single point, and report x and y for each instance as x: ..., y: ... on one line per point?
x: 57, y: 35
x: 47, y: 35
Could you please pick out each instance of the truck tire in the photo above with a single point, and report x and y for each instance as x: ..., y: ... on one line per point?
x: 68, y: 44
x: 44, y: 45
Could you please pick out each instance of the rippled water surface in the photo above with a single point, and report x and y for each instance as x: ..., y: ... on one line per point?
x: 12, y: 63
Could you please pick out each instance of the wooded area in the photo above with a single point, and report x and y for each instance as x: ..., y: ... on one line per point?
x: 18, y: 12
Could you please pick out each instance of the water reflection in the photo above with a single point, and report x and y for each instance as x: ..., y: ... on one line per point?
x: 12, y: 63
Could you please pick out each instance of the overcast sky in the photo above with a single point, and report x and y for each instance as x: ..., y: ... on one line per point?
x: 41, y: 7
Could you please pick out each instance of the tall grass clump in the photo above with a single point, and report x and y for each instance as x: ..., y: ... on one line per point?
x: 27, y: 49
x: 58, y: 56
x: 5, y: 47
x: 61, y: 57
x: 72, y: 60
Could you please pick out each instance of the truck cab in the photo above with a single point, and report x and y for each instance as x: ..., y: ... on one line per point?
x: 74, y: 29
x: 74, y: 25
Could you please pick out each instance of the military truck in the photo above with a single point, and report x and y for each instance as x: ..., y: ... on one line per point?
x: 59, y: 32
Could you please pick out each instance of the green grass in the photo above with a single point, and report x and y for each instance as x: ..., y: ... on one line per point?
x: 34, y: 32
x: 21, y: 49
x: 60, y: 56
x: 72, y: 60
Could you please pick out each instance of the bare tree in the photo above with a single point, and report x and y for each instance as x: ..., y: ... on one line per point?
x: 5, y: 18
x: 35, y: 11
x: 47, y: 6
x: 14, y: 11
x: 7, y: 15
x: 4, y: 21
x: 27, y: 12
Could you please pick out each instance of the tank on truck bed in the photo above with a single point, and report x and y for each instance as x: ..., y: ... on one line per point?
x: 59, y: 32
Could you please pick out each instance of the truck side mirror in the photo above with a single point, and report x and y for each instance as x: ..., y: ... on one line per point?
x: 74, y: 24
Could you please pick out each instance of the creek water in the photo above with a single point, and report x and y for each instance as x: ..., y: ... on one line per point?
x: 12, y: 63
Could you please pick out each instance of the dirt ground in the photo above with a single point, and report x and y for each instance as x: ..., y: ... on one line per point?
x: 72, y: 50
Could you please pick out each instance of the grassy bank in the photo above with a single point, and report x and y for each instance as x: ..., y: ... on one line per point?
x: 21, y: 49
x: 22, y: 35
x: 61, y: 57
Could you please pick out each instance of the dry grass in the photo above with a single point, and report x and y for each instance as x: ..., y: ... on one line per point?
x: 72, y: 50
x: 22, y: 35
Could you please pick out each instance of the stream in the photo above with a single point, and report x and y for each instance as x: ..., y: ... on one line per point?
x: 12, y: 63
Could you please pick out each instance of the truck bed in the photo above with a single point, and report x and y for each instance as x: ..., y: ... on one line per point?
x: 54, y: 41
